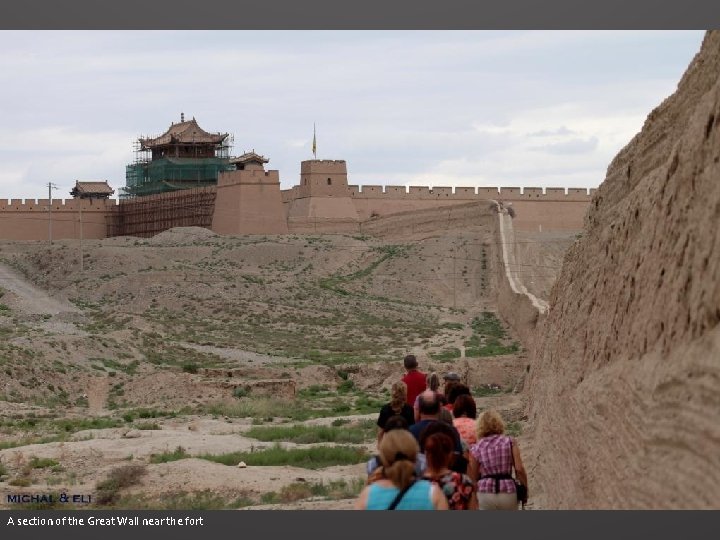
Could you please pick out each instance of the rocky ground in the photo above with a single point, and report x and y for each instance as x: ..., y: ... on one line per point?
x: 145, y: 377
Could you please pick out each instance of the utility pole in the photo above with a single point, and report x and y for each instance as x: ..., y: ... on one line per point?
x: 453, y: 277
x: 82, y: 257
x: 51, y: 186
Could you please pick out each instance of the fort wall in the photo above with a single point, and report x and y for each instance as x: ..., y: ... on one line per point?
x: 437, y: 218
x: 29, y: 219
x: 535, y: 209
x: 249, y: 202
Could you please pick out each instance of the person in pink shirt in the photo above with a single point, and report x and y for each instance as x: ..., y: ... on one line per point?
x: 464, y: 418
x: 492, y: 461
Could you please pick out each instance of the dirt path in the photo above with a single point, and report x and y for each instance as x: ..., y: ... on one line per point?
x: 236, y: 355
x: 97, y: 394
x: 512, y: 268
x: 29, y: 298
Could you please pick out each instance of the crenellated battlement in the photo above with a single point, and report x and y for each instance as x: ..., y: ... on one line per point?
x: 59, y: 205
x: 466, y: 193
x: 29, y: 219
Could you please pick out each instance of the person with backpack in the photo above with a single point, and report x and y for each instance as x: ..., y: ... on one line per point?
x: 395, y: 484
x: 492, y: 460
x: 397, y: 406
x: 430, y: 413
x: 394, y: 422
x: 458, y: 488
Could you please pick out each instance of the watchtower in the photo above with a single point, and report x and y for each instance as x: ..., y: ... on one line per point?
x: 185, y: 156
x: 324, y: 178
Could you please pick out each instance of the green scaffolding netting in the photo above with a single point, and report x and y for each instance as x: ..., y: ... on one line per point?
x: 169, y: 174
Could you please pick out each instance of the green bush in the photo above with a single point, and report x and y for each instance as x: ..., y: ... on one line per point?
x: 21, y: 481
x: 452, y: 326
x: 446, y: 354
x: 177, y: 454
x: 486, y: 390
x: 312, y: 434
x: 71, y: 425
x: 514, y: 429
x: 317, y: 457
x: 240, y: 392
x: 42, y: 463
x: 147, y: 426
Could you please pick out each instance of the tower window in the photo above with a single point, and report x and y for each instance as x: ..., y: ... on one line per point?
x: 329, y: 181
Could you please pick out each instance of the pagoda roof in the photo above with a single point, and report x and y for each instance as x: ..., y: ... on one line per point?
x: 248, y: 157
x: 190, y: 161
x: 183, y: 132
x: 94, y: 187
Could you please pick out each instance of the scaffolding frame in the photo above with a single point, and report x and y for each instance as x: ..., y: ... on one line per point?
x: 153, y: 214
x: 148, y: 176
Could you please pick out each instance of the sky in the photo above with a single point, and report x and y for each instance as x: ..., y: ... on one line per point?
x: 437, y: 108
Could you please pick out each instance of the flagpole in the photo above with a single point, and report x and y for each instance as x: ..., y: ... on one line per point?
x: 314, y: 147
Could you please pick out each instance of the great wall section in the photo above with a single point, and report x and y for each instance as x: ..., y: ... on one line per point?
x: 621, y: 341
x: 254, y: 204
x: 625, y: 380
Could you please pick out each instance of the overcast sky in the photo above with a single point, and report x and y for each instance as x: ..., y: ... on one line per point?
x: 414, y: 108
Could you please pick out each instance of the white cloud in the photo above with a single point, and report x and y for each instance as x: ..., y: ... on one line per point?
x: 400, y: 107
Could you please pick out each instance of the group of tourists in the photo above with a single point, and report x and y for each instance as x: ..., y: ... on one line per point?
x: 434, y: 453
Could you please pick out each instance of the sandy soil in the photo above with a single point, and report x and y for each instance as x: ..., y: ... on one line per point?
x: 180, y: 322
x: 29, y: 298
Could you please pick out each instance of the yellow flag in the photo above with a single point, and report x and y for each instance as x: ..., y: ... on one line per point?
x: 314, y: 143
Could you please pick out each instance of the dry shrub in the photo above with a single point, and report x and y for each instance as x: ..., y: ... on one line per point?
x: 120, y: 478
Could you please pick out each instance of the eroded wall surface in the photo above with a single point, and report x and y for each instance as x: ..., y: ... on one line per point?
x: 624, y: 387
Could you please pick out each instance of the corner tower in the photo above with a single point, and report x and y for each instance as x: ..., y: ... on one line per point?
x: 248, y: 199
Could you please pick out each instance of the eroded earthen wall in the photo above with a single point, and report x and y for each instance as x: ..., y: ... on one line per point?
x: 624, y: 387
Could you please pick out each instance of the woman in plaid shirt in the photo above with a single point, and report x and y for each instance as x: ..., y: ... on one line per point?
x: 492, y: 460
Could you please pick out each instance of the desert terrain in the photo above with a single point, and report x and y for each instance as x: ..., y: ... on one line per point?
x: 142, y: 372
x: 142, y: 376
